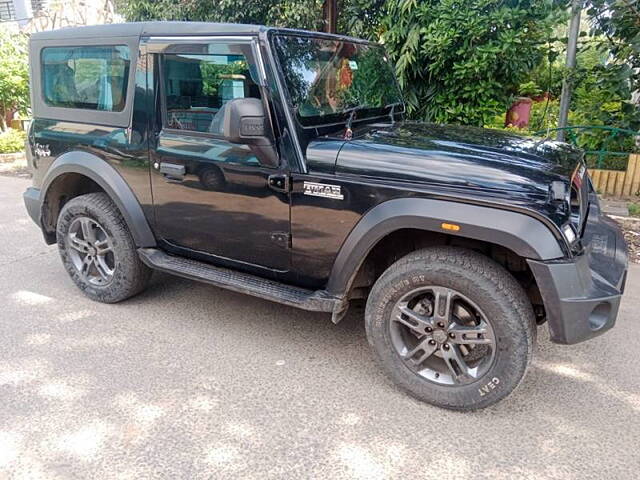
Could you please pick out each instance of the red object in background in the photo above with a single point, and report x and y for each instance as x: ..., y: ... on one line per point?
x: 519, y: 113
x: 346, y: 74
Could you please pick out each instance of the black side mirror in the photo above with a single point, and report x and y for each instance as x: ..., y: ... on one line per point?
x: 244, y: 121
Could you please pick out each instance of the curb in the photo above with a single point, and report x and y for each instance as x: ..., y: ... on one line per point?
x: 12, y: 157
x: 626, y: 219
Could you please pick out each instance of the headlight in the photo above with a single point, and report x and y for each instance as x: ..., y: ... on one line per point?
x: 569, y: 233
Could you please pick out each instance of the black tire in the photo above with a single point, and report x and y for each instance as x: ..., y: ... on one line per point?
x: 212, y: 178
x: 497, y: 294
x: 129, y: 275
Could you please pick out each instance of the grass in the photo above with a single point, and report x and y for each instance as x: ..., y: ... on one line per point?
x: 634, y: 209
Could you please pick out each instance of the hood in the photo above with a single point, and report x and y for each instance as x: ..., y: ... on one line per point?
x: 468, y: 158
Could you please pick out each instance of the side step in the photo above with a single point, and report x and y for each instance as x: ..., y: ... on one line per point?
x: 317, y: 301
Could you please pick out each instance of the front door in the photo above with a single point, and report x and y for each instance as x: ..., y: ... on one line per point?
x: 212, y: 196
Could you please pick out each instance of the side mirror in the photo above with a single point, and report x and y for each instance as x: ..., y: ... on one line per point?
x: 244, y: 121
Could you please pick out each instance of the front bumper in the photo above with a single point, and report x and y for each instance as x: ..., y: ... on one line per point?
x: 582, y: 296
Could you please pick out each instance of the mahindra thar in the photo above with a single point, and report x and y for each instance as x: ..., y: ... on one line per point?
x: 279, y: 163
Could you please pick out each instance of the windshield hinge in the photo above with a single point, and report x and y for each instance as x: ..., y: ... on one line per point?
x: 348, y: 133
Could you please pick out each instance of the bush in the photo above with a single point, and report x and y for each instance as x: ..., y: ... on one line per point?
x: 12, y: 141
x: 461, y: 61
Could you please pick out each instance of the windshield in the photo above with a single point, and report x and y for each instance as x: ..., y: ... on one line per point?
x: 327, y: 77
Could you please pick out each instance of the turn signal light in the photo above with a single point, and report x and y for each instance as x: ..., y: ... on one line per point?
x: 450, y: 226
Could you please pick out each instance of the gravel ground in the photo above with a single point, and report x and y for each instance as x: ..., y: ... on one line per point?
x: 189, y: 381
x: 17, y: 168
x: 631, y: 229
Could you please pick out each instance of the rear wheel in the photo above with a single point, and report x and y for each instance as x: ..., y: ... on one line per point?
x: 451, y: 327
x: 97, y: 249
x: 211, y: 178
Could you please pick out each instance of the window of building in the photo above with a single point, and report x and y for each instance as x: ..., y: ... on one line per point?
x: 91, y: 78
x: 37, y: 5
x: 197, y: 87
x: 7, y: 12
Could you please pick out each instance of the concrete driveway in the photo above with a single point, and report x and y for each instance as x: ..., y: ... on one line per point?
x: 189, y: 381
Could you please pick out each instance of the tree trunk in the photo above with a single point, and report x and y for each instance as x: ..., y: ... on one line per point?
x: 330, y: 13
x: 3, y: 119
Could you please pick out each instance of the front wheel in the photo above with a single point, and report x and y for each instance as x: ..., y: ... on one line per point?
x: 451, y: 327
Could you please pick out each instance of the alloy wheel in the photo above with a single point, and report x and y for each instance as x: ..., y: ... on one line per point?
x: 442, y: 336
x: 91, y: 251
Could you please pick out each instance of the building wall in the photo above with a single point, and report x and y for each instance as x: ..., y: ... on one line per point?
x: 40, y: 15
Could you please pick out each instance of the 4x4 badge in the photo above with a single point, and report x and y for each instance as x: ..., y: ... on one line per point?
x: 42, y: 150
x: 323, y: 190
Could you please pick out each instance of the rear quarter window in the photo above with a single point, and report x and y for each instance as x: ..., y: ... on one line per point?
x: 86, y: 77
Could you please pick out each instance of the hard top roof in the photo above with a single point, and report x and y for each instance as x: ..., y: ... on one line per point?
x: 137, y: 29
x: 141, y: 29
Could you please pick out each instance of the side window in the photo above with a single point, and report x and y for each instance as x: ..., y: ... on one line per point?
x: 197, y: 86
x: 90, y: 78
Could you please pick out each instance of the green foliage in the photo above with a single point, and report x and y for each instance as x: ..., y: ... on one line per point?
x: 213, y: 75
x: 602, y: 91
x: 544, y: 115
x: 529, y: 89
x: 461, y: 61
x: 372, y: 83
x: 326, y: 78
x: 361, y: 18
x: 549, y: 73
x: 12, y: 141
x: 634, y: 209
x: 607, y: 75
x: 619, y: 22
x: 305, y: 14
x: 14, y: 75
x: 600, y: 97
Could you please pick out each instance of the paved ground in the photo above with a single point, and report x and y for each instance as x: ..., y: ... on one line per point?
x: 613, y: 206
x: 188, y: 381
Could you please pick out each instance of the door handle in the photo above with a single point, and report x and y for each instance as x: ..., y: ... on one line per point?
x: 279, y: 182
x: 172, y: 171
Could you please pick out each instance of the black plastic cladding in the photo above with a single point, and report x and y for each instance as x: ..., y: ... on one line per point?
x: 112, y: 183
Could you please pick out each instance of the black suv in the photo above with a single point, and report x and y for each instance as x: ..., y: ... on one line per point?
x: 278, y: 163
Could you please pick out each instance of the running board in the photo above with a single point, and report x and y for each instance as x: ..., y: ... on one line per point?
x: 317, y: 301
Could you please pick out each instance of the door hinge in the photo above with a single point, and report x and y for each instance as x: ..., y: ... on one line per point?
x: 281, y: 238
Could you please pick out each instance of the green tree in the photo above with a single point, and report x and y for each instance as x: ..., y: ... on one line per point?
x: 461, y: 61
x: 14, y: 75
x: 618, y: 21
x: 305, y: 14
x: 361, y: 18
x: 603, y: 89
